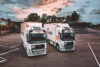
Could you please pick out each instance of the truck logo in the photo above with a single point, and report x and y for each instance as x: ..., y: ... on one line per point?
x: 46, y: 32
x: 57, y: 37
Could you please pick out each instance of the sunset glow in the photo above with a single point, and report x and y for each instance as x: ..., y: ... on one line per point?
x: 49, y: 9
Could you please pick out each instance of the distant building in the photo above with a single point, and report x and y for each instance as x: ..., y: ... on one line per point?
x: 3, y: 23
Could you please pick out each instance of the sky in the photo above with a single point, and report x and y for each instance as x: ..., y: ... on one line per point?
x: 89, y: 10
x: 17, y: 10
x: 20, y: 9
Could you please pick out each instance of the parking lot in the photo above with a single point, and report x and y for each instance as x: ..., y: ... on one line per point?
x: 87, y: 53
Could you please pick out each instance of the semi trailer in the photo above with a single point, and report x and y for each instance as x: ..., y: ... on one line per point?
x: 33, y: 38
x: 61, y: 36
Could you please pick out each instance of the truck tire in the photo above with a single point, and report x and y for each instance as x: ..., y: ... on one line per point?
x: 21, y: 43
x: 49, y: 42
x: 57, y: 47
x: 26, y: 52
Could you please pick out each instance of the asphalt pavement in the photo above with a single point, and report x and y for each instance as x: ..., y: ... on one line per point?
x: 86, y: 54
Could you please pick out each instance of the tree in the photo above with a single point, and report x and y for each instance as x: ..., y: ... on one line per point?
x: 9, y: 20
x: 53, y: 19
x: 33, y: 17
x: 2, y: 19
x: 75, y: 16
x: 44, y: 18
x: 68, y: 19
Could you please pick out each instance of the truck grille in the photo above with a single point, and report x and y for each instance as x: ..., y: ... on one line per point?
x: 42, y: 46
x: 69, y: 45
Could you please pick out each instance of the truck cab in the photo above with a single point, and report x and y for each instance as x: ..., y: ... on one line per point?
x: 61, y: 36
x: 34, y: 40
x: 66, y: 38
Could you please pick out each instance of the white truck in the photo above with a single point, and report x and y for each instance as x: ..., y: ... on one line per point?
x: 61, y: 36
x: 33, y: 38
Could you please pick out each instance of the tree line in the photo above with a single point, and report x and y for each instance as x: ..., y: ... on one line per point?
x: 74, y: 17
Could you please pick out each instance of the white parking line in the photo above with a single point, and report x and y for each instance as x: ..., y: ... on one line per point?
x: 9, y: 51
x: 4, y: 46
x: 3, y: 60
x: 94, y: 54
x: 9, y: 46
x: 9, y: 43
x: 15, y: 46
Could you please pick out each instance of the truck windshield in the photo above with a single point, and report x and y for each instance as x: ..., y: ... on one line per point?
x: 33, y: 38
x: 68, y: 36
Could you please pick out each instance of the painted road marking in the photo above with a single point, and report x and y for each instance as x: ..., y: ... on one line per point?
x: 10, y: 46
x: 9, y: 43
x: 4, y: 46
x: 94, y: 54
x: 3, y: 60
x: 15, y: 46
x: 9, y: 51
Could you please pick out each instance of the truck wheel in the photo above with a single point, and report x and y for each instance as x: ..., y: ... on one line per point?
x: 26, y: 52
x: 57, y: 47
x: 21, y: 43
x: 49, y: 42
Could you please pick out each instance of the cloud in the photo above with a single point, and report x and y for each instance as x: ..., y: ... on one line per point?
x: 19, y: 9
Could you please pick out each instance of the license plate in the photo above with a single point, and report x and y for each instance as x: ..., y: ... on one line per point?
x: 37, y: 52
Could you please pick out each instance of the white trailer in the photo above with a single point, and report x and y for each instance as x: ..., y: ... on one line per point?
x: 33, y: 38
x: 61, y: 36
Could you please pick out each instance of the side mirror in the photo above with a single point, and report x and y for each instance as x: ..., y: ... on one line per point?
x: 43, y: 30
x: 30, y: 31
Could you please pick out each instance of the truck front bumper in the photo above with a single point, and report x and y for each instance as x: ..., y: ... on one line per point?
x: 37, y: 52
x: 63, y: 49
x: 68, y: 46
